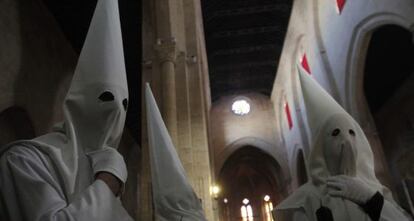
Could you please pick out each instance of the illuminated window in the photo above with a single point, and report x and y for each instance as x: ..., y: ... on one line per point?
x: 268, y: 208
x: 240, y: 107
x: 246, y: 211
x: 249, y: 213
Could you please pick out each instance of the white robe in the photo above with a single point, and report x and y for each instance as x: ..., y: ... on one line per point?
x: 52, y: 177
x: 31, y: 189
x: 346, y: 151
x: 303, y: 203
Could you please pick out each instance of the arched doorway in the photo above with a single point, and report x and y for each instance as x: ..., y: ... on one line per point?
x: 301, y: 172
x: 250, y: 181
x: 388, y: 88
x: 15, y: 124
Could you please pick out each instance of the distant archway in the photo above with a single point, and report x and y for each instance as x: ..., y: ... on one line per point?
x: 249, y: 173
x: 301, y: 172
x: 387, y: 85
x: 15, y: 124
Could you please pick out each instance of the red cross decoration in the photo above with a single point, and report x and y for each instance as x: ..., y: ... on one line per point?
x: 288, y: 116
x: 305, y: 64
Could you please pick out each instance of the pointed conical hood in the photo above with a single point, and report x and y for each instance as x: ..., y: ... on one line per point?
x: 318, y: 103
x: 102, y: 56
x: 324, y: 116
x: 96, y: 103
x: 174, y: 198
x: 339, y: 147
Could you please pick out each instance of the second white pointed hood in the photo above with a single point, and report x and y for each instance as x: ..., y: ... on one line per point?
x: 339, y: 146
x: 324, y: 116
x: 174, y: 198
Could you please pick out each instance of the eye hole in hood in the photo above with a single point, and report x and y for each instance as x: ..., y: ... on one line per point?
x: 125, y: 104
x: 336, y: 132
x: 106, y: 96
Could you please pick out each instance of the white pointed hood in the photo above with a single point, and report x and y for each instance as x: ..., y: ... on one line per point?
x: 174, y: 198
x: 324, y: 115
x: 95, y: 105
x: 339, y: 146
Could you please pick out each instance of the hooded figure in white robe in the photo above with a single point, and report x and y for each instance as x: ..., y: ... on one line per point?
x: 52, y: 177
x: 342, y: 184
x: 174, y: 198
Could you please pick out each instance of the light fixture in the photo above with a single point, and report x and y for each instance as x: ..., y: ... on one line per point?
x: 245, y: 201
x: 225, y: 200
x: 266, y: 198
x: 240, y: 107
x: 215, y: 190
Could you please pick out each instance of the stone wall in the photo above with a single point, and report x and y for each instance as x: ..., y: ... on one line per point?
x: 258, y: 128
x: 36, y: 63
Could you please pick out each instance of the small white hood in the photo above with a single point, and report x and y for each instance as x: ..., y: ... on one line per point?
x: 174, y: 198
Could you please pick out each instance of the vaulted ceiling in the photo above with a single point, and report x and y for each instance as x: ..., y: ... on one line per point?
x: 244, y: 41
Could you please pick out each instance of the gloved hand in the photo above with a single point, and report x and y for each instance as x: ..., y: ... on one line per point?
x: 108, y: 160
x: 350, y: 188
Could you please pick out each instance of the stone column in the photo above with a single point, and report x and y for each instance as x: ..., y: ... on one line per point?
x: 173, y: 40
x: 166, y: 51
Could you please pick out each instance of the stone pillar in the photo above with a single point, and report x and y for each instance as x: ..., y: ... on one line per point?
x: 166, y: 51
x: 173, y: 68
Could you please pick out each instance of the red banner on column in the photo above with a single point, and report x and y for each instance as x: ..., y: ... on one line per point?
x: 288, y: 116
x: 305, y: 64
x: 340, y: 4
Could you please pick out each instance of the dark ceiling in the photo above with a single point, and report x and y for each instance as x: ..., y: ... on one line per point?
x: 74, y: 16
x: 244, y: 41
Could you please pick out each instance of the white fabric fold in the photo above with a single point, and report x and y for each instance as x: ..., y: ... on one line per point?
x: 22, y: 171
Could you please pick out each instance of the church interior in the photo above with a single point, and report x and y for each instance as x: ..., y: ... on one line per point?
x: 225, y: 77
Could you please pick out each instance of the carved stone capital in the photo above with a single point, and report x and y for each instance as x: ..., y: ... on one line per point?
x: 166, y: 51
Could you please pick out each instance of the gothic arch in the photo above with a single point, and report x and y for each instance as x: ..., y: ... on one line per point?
x: 277, y: 153
x: 361, y: 104
x: 249, y: 173
x: 355, y: 103
x: 298, y: 167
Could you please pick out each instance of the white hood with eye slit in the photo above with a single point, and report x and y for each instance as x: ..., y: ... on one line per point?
x: 325, y: 115
x: 95, y: 123
x: 174, y: 198
x: 90, y: 123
